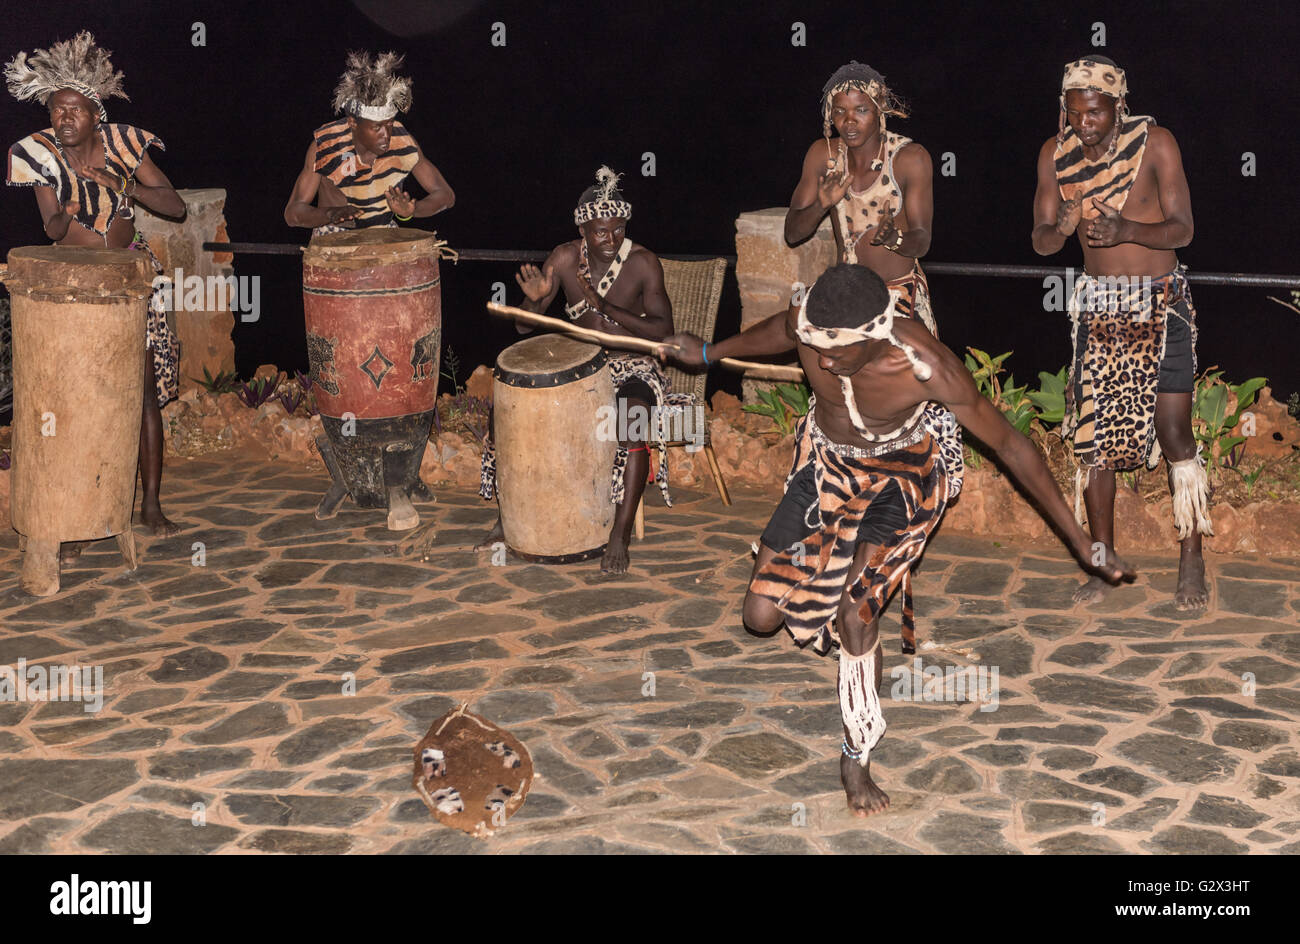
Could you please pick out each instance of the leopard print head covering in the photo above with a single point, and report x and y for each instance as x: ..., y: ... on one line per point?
x: 602, y: 201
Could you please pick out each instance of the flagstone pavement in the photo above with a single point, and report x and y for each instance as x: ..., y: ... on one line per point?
x: 656, y: 723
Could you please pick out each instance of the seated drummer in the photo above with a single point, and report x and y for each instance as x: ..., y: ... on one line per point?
x: 87, y: 175
x: 615, y: 286
x: 356, y: 165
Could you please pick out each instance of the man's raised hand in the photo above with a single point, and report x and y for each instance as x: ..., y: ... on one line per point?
x: 685, y: 348
x: 832, y: 187
x: 536, y: 284
x: 886, y: 231
x: 400, y: 203
x: 1107, y: 229
x: 1068, y: 215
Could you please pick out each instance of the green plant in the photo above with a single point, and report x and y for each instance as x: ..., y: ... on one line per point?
x: 1050, y: 397
x: 1251, y: 478
x: 783, y: 405
x: 226, y: 381
x: 1016, y: 404
x: 1212, y: 424
x: 451, y: 364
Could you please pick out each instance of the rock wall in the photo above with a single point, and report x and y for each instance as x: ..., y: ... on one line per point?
x: 767, y: 269
x: 204, y: 334
x: 990, y: 505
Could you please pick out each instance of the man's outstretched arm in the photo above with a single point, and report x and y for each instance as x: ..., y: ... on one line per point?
x: 773, y: 335
x: 951, y: 384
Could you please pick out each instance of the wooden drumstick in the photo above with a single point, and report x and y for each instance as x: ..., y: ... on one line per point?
x: 626, y: 342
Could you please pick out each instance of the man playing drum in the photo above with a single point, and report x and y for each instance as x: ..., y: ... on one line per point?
x: 88, y: 174
x: 356, y: 164
x: 615, y: 286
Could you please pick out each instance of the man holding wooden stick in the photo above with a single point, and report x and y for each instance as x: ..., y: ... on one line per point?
x: 877, y: 459
x: 616, y: 288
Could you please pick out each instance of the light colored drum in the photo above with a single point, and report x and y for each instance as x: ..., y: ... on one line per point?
x: 79, y: 317
x: 552, y: 469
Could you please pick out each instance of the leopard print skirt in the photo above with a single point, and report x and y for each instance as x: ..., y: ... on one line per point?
x: 160, y: 340
x: 1119, y: 343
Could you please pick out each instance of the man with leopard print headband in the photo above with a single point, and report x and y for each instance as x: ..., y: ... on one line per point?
x: 1118, y: 180
x: 876, y: 185
x: 612, y: 285
x: 87, y: 174
x: 877, y: 459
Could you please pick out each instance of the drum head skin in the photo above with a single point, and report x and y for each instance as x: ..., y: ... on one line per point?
x: 548, y: 360
x: 365, y: 247
x: 79, y: 270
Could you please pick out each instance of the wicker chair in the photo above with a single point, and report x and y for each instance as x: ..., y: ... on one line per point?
x: 694, y: 288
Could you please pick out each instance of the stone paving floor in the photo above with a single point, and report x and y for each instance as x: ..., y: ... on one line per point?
x: 1128, y: 729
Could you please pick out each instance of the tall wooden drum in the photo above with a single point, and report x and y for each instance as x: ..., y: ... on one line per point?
x: 78, y: 319
x: 373, y: 308
x: 553, y: 469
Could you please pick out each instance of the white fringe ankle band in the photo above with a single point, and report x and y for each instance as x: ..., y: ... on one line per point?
x: 1191, y: 488
x: 860, y: 704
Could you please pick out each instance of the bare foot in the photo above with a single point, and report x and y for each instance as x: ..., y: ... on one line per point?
x: 1094, y: 591
x: 156, y: 521
x: 615, y: 559
x: 496, y: 536
x: 1191, y: 594
x: 69, y: 551
x: 865, y: 798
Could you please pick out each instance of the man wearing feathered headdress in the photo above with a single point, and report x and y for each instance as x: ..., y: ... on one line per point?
x: 356, y: 164
x: 1117, y: 179
x: 613, y: 285
x: 875, y: 184
x: 87, y: 175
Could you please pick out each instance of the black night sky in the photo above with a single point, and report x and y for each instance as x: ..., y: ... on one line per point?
x: 728, y: 106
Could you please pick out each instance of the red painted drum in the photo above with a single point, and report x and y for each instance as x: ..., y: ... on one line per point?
x: 79, y: 319
x: 373, y: 308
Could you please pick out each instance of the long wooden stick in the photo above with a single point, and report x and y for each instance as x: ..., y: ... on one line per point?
x: 625, y: 342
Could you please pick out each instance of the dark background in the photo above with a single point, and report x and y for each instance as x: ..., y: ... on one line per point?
x: 729, y: 107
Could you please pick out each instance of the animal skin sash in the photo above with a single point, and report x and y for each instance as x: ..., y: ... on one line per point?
x: 365, y: 186
x: 858, y: 213
x: 575, y: 311
x: 38, y: 161
x: 1109, y: 180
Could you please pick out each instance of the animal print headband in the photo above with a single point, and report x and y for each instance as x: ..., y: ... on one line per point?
x: 1095, y: 76
x: 879, y: 328
x: 370, y: 87
x: 607, y: 202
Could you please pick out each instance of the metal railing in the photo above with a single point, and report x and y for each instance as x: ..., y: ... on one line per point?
x: 987, y: 270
